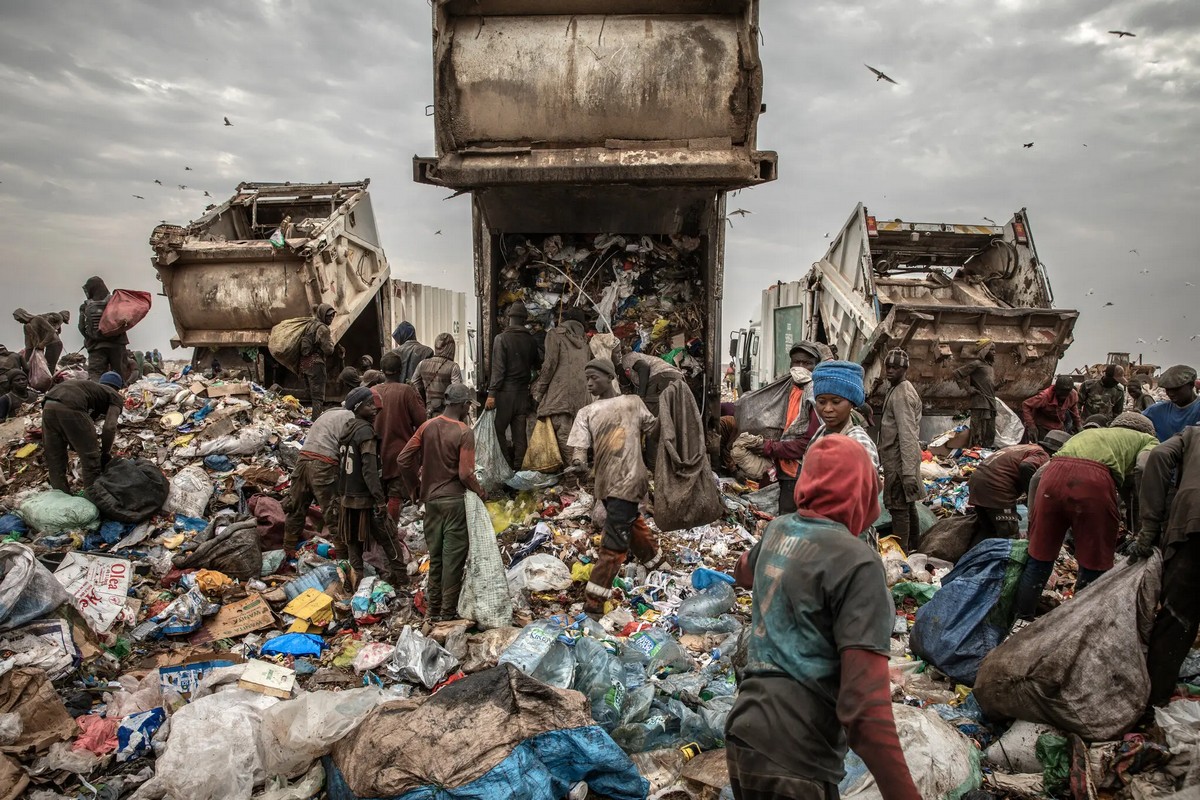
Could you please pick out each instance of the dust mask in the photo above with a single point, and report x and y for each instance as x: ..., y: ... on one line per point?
x: 801, y: 376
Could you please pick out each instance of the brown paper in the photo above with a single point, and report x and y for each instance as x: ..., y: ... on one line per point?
x: 236, y: 619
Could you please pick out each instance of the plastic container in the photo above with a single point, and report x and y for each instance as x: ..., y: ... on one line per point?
x: 533, y: 644
x: 660, y: 651
x: 317, y: 579
x: 557, y: 667
x: 706, y: 611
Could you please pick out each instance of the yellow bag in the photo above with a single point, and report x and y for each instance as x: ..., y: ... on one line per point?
x: 543, y: 455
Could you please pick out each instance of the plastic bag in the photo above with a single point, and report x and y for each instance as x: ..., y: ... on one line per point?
x: 1010, y: 429
x: 190, y: 491
x: 491, y: 468
x: 28, y: 591
x: 540, y: 572
x: 1082, y: 667
x: 685, y: 489
x: 950, y: 538
x: 297, y: 732
x: 1180, y: 723
x: 39, y: 371
x: 542, y: 454
x: 130, y: 490
x: 246, y: 442
x: 284, y: 341
x: 422, y: 660
x: 236, y: 551
x: 125, y: 308
x: 484, y: 596
x: 56, y: 512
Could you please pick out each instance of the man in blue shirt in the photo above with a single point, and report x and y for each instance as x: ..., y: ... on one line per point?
x: 1172, y: 416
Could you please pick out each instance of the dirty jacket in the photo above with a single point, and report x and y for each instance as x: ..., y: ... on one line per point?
x: 900, y: 434
x: 514, y: 360
x: 1172, y: 468
x: 980, y: 376
x: 560, y: 384
x: 90, y: 313
x: 1044, y: 411
x: 437, y: 373
x: 1096, y: 398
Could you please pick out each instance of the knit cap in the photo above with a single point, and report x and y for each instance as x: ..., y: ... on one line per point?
x: 841, y: 378
x: 896, y: 358
x: 1134, y: 422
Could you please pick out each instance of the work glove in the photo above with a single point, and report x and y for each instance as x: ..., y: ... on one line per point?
x: 1142, y: 547
x: 912, y: 489
x: 489, y: 404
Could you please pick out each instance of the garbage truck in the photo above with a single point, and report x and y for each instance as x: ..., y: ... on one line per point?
x: 271, y: 252
x: 598, y: 145
x: 934, y: 289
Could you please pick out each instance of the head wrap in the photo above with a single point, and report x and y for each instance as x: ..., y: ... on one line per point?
x: 1055, y: 440
x: 1177, y: 376
x: 896, y: 358
x: 1064, y: 383
x: 841, y: 378
x: 359, y: 396
x: 404, y: 332
x: 457, y: 393
x: 808, y: 348
x: 1134, y: 422
x: 112, y: 379
x: 603, y: 365
x: 838, y: 482
x: 1096, y: 421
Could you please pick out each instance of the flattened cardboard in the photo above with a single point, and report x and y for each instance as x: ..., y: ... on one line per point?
x: 236, y: 619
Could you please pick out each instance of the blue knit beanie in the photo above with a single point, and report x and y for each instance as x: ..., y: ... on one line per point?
x: 112, y: 379
x: 843, y: 378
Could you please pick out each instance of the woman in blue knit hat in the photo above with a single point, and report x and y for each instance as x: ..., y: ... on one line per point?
x: 837, y: 390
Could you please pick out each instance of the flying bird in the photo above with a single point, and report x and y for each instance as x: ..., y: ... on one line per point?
x: 437, y: 233
x: 181, y: 186
x: 1164, y: 339
x: 206, y: 194
x: 228, y: 124
x: 1186, y: 283
x: 139, y: 197
x: 187, y: 169
x: 1027, y: 145
x: 1091, y: 292
x: 1145, y: 272
x: 989, y: 220
x: 156, y: 180
x: 1106, y: 305
x: 741, y: 212
x: 1194, y: 337
x: 1123, y: 34
x: 1140, y: 341
x: 827, y: 236
x: 1135, y: 252
x: 879, y: 76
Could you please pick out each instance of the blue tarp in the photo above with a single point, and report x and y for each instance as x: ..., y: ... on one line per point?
x: 543, y: 767
x: 973, y: 611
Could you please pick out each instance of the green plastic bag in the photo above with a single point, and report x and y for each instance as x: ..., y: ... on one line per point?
x: 1055, y: 755
x: 57, y: 512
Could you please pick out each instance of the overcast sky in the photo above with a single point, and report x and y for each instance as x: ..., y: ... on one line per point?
x: 101, y: 99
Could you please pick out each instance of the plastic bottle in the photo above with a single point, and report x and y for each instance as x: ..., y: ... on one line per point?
x: 528, y: 649
x: 713, y: 601
x: 634, y: 668
x: 557, y: 667
x: 599, y: 676
x: 660, y: 651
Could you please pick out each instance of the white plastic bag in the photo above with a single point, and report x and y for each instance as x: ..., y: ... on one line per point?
x: 484, y: 596
x: 491, y: 468
x: 28, y: 591
x: 417, y: 659
x: 297, y: 732
x: 246, y: 442
x: 540, y: 572
x: 191, y: 489
x: 1009, y: 428
x: 1180, y: 723
x: 943, y: 762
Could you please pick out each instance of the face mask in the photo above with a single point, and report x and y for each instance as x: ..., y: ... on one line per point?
x: 801, y: 376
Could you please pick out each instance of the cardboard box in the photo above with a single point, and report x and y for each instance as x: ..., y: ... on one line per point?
x: 226, y: 389
x: 267, y: 678
x: 236, y: 619
x: 312, y: 606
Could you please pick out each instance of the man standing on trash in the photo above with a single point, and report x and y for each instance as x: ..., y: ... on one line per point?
x: 401, y: 412
x: 438, y: 467
x: 315, y: 477
x: 437, y: 373
x: 514, y: 362
x: 69, y: 417
x: 363, y: 505
x: 1078, y: 491
x: 1182, y: 409
x: 43, y: 332
x: 1055, y: 408
x: 612, y: 427
x: 1000, y: 480
x: 979, y: 376
x: 816, y: 676
x: 1172, y: 525
x: 1104, y: 395
x: 410, y: 351
x: 104, y: 352
x: 558, y: 392
x: 900, y: 450
x: 800, y: 423
x: 316, y: 345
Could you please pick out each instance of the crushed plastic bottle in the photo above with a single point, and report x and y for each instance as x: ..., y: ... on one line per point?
x: 557, y: 667
x: 706, y: 611
x: 660, y: 651
x: 599, y: 676
x: 533, y: 644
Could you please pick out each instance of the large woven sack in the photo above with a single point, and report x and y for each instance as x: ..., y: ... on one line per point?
x: 1082, y: 667
x: 130, y: 490
x: 685, y: 491
x: 491, y: 468
x: 542, y: 454
x: 484, y: 596
x: 125, y: 308
x: 950, y: 538
x: 284, y: 341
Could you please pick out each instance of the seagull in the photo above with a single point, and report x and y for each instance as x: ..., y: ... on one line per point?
x: 1135, y: 252
x: 1194, y: 337
x: 989, y: 220
x: 437, y: 233
x: 879, y: 76
x: 181, y: 186
x: 1140, y: 341
x: 827, y: 236
x: 1123, y: 34
x: 156, y: 180
x: 206, y: 194
x: 139, y: 197
x: 1091, y: 292
x: 1027, y: 145
x: 741, y: 212
x: 228, y: 124
x: 1164, y: 339
x: 187, y: 169
x: 1187, y: 283
x: 1106, y: 305
x: 1145, y: 272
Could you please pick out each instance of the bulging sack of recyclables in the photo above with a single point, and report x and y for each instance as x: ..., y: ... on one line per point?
x: 491, y: 467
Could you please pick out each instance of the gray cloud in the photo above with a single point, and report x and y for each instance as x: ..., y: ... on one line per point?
x: 101, y: 99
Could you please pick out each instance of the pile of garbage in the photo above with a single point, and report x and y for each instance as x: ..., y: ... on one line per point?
x: 648, y: 291
x: 158, y: 643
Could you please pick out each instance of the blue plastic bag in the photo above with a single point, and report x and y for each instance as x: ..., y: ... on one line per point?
x: 973, y: 611
x: 704, y: 577
x: 294, y: 644
x: 11, y: 523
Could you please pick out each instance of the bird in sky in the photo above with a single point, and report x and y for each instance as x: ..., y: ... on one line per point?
x: 1145, y: 272
x: 206, y: 194
x: 1091, y: 292
x: 437, y: 233
x: 1164, y: 339
x: 228, y: 124
x: 1194, y: 337
x: 827, y: 236
x: 1027, y: 145
x: 187, y: 169
x: 1123, y: 34
x: 1106, y: 305
x: 181, y: 186
x: 989, y: 220
x: 741, y: 212
x: 1140, y: 341
x: 879, y: 76
x: 1188, y: 283
x: 156, y: 180
x: 139, y: 197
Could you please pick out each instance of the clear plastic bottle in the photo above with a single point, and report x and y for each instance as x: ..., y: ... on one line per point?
x: 660, y: 651
x: 599, y: 675
x: 532, y: 645
x: 557, y: 667
x: 703, y: 612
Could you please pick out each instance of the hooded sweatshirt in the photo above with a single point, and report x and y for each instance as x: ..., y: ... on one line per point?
x: 560, y: 384
x: 90, y: 313
x: 436, y: 373
x: 410, y: 351
x: 317, y: 342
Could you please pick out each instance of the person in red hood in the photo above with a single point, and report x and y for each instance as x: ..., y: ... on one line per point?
x: 816, y: 677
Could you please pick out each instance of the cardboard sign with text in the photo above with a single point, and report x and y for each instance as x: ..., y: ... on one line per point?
x: 236, y: 619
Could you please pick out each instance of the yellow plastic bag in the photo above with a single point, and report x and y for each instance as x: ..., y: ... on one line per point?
x: 543, y: 455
